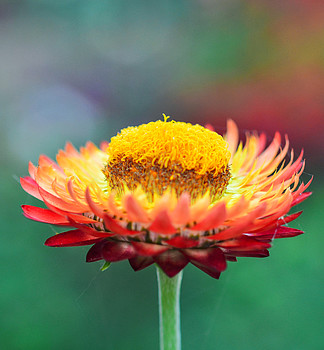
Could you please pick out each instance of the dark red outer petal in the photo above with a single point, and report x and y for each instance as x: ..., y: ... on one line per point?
x: 210, y: 257
x: 162, y: 224
x: 44, y: 215
x: 253, y: 254
x: 117, y: 251
x: 95, y: 252
x: 171, y: 262
x: 149, y: 249
x: 230, y: 258
x: 140, y: 262
x: 71, y: 239
x: 113, y: 226
x: 182, y: 242
x: 209, y: 270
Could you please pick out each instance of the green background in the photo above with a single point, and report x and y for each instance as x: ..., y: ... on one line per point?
x: 81, y: 70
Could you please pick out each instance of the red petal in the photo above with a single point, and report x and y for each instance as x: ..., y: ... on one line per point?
x: 140, y: 262
x: 95, y: 252
x: 78, y: 218
x: 90, y: 230
x: 171, y: 262
x: 209, y: 270
x: 182, y: 242
x: 214, y: 218
x: 81, y: 219
x: 117, y: 251
x: 113, y: 226
x: 244, y: 243
x: 250, y: 254
x: 162, y: 224
x: 230, y: 258
x: 301, y: 198
x: 279, y: 232
x: 30, y: 186
x: 71, y: 239
x: 210, y: 257
x: 44, y: 215
x: 289, y: 218
x: 149, y: 249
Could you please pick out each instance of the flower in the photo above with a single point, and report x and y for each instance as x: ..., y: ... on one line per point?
x: 170, y: 193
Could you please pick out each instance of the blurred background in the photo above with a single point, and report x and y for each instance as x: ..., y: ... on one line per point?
x: 78, y: 70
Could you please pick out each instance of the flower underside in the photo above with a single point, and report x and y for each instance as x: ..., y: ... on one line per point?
x: 170, y: 193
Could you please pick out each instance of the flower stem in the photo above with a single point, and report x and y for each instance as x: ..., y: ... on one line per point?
x: 169, y: 310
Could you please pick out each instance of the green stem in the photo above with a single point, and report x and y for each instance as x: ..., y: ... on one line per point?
x: 169, y: 310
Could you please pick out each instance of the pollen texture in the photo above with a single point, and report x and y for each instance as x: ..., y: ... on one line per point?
x: 162, y: 155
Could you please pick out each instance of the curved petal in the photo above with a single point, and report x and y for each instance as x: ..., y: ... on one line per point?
x: 71, y: 239
x: 171, y: 262
x: 117, y: 251
x: 44, y: 215
x: 30, y: 186
x: 140, y: 262
x: 210, y: 257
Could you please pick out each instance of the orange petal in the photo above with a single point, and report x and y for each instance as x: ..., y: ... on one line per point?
x: 215, y: 217
x: 135, y: 212
x: 92, y: 205
x: 232, y: 136
x: 32, y: 170
x: 59, y: 202
x: 241, y: 227
x: 181, y: 213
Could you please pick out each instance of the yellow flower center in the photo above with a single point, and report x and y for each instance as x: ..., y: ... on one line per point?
x: 165, y: 155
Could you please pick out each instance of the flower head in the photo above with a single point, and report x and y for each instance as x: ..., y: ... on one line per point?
x: 170, y: 193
